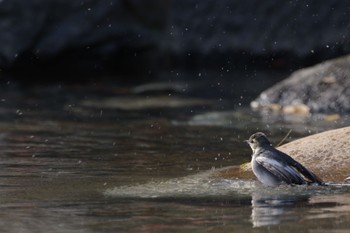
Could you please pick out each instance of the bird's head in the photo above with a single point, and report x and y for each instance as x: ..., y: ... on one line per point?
x: 258, y: 140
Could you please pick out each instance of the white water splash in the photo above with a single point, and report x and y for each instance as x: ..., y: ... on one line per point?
x: 205, y: 185
x: 199, y: 185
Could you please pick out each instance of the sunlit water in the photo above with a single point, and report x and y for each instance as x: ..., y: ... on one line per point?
x: 85, y: 159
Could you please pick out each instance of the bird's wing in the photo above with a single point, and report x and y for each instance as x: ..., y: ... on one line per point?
x: 304, y: 171
x: 283, y: 171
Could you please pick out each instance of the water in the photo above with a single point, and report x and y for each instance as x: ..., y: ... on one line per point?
x: 78, y: 159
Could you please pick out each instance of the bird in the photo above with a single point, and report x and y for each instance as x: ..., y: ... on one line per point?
x: 273, y: 167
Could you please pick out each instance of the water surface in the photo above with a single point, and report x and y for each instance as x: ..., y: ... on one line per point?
x: 85, y: 159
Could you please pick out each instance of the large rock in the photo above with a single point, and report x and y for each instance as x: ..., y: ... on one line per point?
x: 327, y: 154
x: 48, y: 32
x: 129, y: 34
x: 323, y: 88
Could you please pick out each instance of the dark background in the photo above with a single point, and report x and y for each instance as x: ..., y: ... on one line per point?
x: 130, y: 40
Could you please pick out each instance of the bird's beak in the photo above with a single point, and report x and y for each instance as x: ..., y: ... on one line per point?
x: 246, y: 141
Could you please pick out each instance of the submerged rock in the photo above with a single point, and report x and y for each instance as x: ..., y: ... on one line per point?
x: 141, y: 103
x: 327, y: 154
x: 323, y: 88
x: 159, y: 88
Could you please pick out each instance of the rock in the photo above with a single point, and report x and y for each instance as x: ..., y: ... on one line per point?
x: 323, y: 88
x: 327, y: 154
x: 129, y: 34
x: 132, y: 103
x: 39, y: 31
x: 235, y: 27
x: 160, y: 88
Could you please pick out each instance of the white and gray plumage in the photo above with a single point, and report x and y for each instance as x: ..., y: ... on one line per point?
x: 273, y: 167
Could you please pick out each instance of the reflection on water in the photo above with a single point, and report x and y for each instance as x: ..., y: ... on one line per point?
x: 73, y: 160
x: 272, y: 209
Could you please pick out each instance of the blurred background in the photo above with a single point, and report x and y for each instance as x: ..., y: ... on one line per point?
x: 137, y: 41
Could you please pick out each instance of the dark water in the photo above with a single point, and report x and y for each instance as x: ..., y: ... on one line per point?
x: 96, y: 158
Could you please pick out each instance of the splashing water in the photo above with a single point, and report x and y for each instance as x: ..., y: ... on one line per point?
x: 199, y: 185
x: 204, y: 185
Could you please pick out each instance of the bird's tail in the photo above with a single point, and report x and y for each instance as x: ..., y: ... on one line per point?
x: 310, y: 176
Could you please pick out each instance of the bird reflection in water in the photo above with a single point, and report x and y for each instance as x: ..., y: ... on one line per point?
x: 272, y: 209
